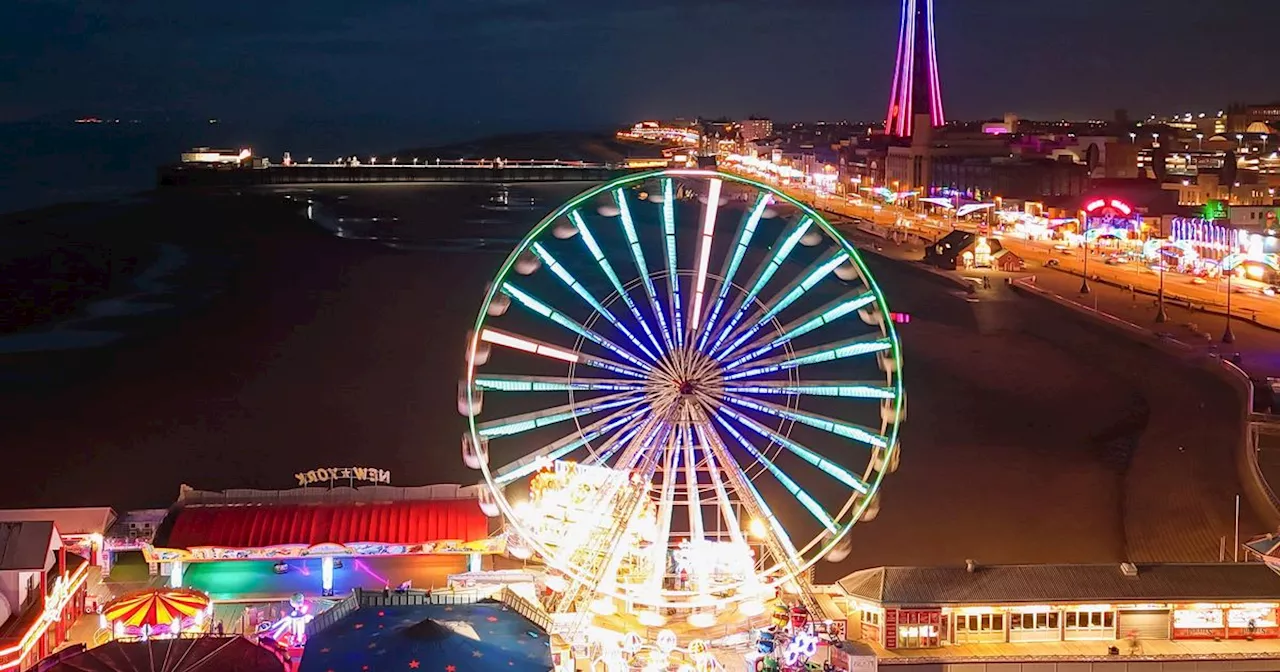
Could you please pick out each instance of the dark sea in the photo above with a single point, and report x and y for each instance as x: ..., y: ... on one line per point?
x: 50, y: 162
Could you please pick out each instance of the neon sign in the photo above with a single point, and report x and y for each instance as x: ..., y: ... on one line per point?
x: 1115, y: 204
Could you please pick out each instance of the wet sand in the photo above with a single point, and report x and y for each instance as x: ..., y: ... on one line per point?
x: 1017, y: 447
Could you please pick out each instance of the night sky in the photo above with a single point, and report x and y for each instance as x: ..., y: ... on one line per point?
x: 526, y: 64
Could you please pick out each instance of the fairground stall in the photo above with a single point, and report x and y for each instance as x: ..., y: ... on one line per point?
x: 318, y: 540
x: 42, y: 591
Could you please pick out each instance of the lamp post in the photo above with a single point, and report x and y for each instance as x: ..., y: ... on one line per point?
x: 1084, y: 281
x: 1229, y: 336
x: 1161, y: 315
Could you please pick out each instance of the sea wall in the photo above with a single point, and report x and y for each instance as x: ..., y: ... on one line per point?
x: 189, y: 176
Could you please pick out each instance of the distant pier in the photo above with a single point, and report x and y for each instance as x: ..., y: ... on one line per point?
x: 197, y: 175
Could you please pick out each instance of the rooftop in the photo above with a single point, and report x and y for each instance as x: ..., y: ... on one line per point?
x: 1032, y: 584
x: 24, y: 546
x: 74, y: 520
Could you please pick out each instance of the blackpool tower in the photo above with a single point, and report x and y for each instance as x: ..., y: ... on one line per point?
x: 915, y: 77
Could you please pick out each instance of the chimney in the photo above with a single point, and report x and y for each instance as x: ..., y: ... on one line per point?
x: 970, y: 566
x: 1129, y: 569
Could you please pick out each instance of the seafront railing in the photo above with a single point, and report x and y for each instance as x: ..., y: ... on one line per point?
x: 535, y: 613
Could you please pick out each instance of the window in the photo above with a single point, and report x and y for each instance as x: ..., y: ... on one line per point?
x: 980, y: 622
x: 1090, y: 619
x: 1041, y: 621
x: 870, y: 617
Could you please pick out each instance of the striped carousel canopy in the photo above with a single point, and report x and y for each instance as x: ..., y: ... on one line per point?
x: 155, y: 607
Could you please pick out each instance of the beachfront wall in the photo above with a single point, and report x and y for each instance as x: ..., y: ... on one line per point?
x: 187, y: 176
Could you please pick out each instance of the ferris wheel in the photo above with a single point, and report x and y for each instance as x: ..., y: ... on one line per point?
x: 683, y: 388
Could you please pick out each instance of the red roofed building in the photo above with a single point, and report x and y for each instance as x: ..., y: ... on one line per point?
x: 321, y: 523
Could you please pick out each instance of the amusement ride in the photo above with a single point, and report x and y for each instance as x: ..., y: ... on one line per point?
x: 694, y: 391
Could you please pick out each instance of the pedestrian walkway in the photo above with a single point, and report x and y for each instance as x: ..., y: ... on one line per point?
x: 1148, y: 650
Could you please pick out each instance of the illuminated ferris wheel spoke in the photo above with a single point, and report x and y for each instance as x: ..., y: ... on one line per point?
x: 818, y: 388
x: 536, y: 347
x: 806, y: 500
x: 594, y: 248
x: 831, y: 468
x: 741, y: 244
x: 750, y: 497
x: 787, y: 296
x: 572, y: 283
x: 524, y: 422
x: 814, y: 320
x: 704, y: 255
x: 762, y: 277
x: 717, y: 483
x: 528, y: 301
x: 852, y: 347
x: 616, y: 442
x: 565, y: 445
x: 847, y: 430
x: 521, y: 383
x: 669, y: 253
x: 666, y: 502
x: 637, y: 254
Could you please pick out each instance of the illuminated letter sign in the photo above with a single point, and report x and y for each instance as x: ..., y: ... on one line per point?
x: 331, y: 474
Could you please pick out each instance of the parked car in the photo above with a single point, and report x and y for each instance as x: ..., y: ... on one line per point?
x: 1051, y: 263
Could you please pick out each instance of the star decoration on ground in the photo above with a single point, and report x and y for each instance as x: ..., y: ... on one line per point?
x: 492, y: 619
x: 477, y: 654
x: 450, y: 668
x: 413, y: 664
x: 324, y: 650
x: 359, y: 625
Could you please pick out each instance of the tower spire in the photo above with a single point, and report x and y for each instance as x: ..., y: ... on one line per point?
x: 915, y: 76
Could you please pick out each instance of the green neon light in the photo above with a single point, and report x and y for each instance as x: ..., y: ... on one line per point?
x: 832, y: 469
x: 827, y: 317
x: 637, y: 253
x: 774, y: 264
x: 796, y: 491
x: 572, y: 325
x: 669, y: 233
x: 604, y: 264
x: 739, y: 251
x: 847, y: 430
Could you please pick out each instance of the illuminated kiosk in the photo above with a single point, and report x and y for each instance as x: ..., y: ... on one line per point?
x: 654, y: 443
x: 323, y: 526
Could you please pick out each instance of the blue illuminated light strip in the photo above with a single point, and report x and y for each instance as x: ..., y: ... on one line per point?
x: 827, y: 316
x: 568, y: 279
x: 532, y: 462
x: 847, y: 430
x: 796, y: 491
x: 814, y: 276
x: 554, y: 384
x: 739, y: 251
x: 832, y: 469
x: 817, y: 389
x: 605, y: 266
x: 527, y: 421
x: 637, y: 253
x: 788, y: 244
x: 572, y: 325
x: 862, y: 345
x: 602, y: 458
x: 669, y: 237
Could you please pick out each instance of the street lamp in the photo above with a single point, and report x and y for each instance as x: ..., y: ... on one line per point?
x: 1084, y: 281
x: 1229, y: 336
x: 1161, y: 315
x: 1200, y: 139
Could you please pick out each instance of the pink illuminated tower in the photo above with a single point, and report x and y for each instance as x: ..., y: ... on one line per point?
x: 915, y: 77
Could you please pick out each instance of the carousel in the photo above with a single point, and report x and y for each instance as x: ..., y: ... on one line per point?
x: 157, y: 614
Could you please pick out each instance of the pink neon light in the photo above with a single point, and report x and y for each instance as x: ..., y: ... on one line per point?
x: 901, y: 117
x: 1121, y: 206
x: 517, y: 343
x: 1095, y: 205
